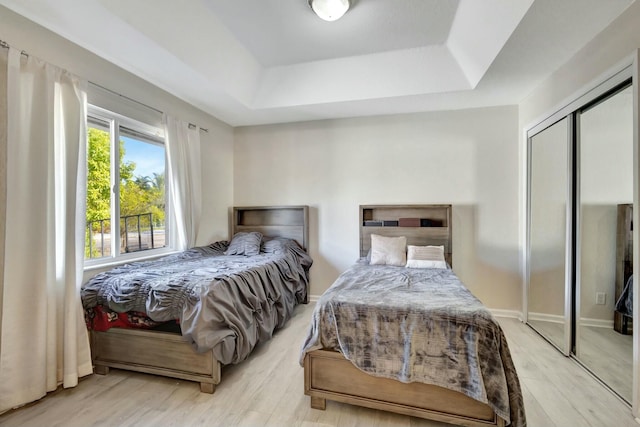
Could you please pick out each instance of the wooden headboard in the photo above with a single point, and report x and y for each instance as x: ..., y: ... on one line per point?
x: 273, y: 221
x: 422, y: 225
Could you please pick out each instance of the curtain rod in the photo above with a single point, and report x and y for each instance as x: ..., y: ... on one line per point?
x: 6, y: 45
x: 191, y: 125
x: 126, y: 97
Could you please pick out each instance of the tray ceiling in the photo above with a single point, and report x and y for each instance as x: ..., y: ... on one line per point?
x: 267, y: 61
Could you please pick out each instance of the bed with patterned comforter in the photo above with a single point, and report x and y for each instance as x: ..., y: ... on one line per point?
x: 418, y: 325
x: 224, y: 303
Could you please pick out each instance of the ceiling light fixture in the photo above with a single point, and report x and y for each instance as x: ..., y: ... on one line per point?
x: 329, y: 10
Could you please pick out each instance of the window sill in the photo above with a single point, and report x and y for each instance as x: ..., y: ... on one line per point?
x: 91, y: 265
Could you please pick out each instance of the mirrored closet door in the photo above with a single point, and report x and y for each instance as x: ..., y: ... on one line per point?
x: 550, y: 208
x: 605, y: 170
x: 580, y: 232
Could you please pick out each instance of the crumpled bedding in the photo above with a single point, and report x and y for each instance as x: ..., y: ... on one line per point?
x: 224, y: 303
x: 418, y: 325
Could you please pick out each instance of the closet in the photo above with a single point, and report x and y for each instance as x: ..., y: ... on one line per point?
x: 579, y: 230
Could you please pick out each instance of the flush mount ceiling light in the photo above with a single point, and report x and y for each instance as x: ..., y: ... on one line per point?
x: 329, y: 10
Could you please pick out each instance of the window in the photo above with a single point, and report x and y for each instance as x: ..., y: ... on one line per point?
x: 127, y: 210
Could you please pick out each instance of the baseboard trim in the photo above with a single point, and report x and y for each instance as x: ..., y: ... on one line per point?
x: 544, y: 317
x: 585, y: 321
x: 597, y: 323
x: 513, y: 314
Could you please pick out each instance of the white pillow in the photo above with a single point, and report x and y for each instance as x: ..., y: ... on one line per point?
x: 426, y: 257
x: 388, y: 250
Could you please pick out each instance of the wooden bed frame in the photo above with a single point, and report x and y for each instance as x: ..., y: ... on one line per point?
x: 169, y: 354
x: 328, y: 375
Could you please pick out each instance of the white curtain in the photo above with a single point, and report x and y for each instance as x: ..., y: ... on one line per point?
x: 183, y: 151
x: 43, y: 339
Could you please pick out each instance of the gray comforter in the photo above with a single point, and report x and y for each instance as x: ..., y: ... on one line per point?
x: 224, y: 303
x: 418, y: 325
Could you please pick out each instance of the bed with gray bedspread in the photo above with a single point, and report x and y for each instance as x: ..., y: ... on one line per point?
x: 418, y: 325
x: 224, y: 303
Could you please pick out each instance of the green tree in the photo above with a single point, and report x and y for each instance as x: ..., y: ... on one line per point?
x: 138, y: 194
x: 158, y: 188
x: 98, y: 175
x: 149, y: 195
x: 144, y: 182
x: 143, y: 195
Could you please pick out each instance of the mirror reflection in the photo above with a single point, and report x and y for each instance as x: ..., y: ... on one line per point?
x: 549, y: 195
x: 605, y: 150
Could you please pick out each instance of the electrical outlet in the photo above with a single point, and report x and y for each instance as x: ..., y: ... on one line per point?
x: 601, y: 298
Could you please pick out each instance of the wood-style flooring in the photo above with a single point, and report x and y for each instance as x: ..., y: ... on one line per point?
x: 267, y: 390
x: 607, y: 353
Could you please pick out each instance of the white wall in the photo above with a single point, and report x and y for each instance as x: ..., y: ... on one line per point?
x: 605, y: 53
x: 217, y: 144
x: 466, y: 158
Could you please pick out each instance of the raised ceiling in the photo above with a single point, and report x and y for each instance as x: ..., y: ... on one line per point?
x: 268, y: 61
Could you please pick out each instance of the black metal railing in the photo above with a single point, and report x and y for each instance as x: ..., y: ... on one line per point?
x: 136, y: 234
x: 133, y: 247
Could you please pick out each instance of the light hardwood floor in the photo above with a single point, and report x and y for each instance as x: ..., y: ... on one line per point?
x: 267, y: 390
x: 607, y: 353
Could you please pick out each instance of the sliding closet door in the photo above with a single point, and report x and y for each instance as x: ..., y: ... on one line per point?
x: 605, y: 194
x: 549, y: 216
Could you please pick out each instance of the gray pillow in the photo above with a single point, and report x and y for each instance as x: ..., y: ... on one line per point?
x: 275, y: 245
x: 245, y: 244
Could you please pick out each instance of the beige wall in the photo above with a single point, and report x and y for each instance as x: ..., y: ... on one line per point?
x: 217, y: 144
x: 466, y: 158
